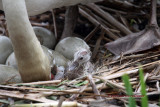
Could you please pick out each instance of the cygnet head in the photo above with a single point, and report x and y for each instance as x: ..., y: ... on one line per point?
x: 82, y: 56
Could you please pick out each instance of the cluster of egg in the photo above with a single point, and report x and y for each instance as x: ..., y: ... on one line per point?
x: 64, y: 52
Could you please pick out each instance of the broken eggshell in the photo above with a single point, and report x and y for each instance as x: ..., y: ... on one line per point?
x: 45, y: 36
x: 5, y: 48
x: 59, y: 59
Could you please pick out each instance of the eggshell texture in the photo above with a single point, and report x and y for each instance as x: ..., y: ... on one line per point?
x: 5, y: 48
x: 46, y: 37
x: 68, y: 46
x: 9, y: 75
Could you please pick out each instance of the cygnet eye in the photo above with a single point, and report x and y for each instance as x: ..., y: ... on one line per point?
x: 80, y: 58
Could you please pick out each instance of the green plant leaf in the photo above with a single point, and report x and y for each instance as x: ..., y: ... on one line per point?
x: 132, y: 21
x: 81, y: 83
x: 144, y: 99
x: 65, y: 81
x: 49, y: 87
x: 4, y: 101
x: 129, y: 91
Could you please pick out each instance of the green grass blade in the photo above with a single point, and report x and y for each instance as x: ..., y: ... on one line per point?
x: 144, y: 99
x: 81, y: 83
x: 132, y: 102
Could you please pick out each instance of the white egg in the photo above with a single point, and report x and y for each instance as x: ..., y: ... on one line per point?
x: 5, y: 48
x: 9, y: 75
x: 70, y: 45
x: 45, y: 36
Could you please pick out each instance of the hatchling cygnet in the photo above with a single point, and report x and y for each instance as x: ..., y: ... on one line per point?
x: 79, y: 53
x: 80, y: 65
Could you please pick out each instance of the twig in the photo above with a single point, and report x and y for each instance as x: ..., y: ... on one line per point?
x: 95, y: 90
x: 109, y: 18
x: 123, y: 4
x: 61, y: 101
x: 112, y: 84
x: 157, y: 85
x: 107, y: 39
x: 55, y: 92
x: 40, y: 82
x: 74, y: 96
x: 113, y: 10
x: 91, y: 34
x: 96, y: 23
x: 65, y: 104
x: 95, y: 51
x: 119, y: 74
x: 33, y: 97
x: 54, y: 22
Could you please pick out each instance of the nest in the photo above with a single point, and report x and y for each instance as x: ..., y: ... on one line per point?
x: 101, y: 88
